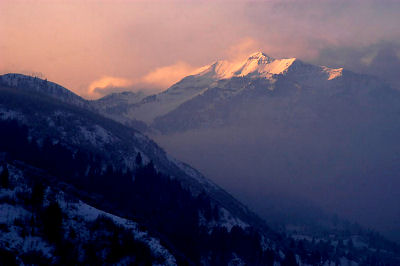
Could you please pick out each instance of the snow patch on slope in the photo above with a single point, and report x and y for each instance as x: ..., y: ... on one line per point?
x: 10, y: 214
x: 10, y: 114
x: 333, y: 72
x: 78, y: 213
x: 226, y: 220
x: 96, y: 135
x: 89, y: 213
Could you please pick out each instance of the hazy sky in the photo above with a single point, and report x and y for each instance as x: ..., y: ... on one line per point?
x: 90, y: 46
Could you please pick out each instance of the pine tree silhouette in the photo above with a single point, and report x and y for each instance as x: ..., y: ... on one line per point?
x: 139, y: 160
x: 4, y: 177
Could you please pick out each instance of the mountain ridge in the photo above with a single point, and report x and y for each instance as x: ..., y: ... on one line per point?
x: 48, y: 88
x: 258, y: 67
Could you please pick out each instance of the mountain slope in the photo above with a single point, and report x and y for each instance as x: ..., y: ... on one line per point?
x: 96, y: 155
x: 118, y: 144
x: 37, y: 85
x: 30, y: 204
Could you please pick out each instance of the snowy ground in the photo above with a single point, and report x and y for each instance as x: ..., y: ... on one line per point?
x: 14, y: 216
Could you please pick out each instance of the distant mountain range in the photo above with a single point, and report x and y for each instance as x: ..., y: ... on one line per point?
x: 79, y: 187
x: 216, y: 94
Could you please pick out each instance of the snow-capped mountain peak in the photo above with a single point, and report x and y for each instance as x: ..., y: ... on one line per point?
x: 256, y: 65
x: 260, y: 65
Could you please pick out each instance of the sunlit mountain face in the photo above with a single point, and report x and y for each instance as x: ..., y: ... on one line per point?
x: 199, y: 133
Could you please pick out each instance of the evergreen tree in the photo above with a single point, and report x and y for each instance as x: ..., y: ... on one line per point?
x: 37, y: 194
x: 290, y: 259
x: 139, y: 160
x: 7, y: 257
x: 4, y: 177
x: 52, y: 222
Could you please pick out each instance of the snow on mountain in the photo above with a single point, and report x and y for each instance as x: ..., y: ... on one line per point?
x: 257, y: 66
x: 333, y: 72
x: 78, y: 217
x: 89, y: 214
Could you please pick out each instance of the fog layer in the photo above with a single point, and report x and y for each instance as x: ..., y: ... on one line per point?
x: 337, y: 154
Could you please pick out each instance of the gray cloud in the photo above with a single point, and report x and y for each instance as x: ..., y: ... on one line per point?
x: 304, y: 28
x: 380, y: 59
